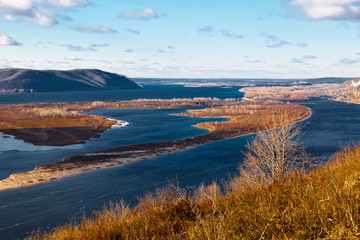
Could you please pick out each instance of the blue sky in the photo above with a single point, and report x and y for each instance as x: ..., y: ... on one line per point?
x: 177, y: 39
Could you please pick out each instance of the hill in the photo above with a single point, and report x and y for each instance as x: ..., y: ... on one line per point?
x: 29, y: 80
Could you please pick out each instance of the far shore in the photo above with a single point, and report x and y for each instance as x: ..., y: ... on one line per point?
x: 244, y: 119
x: 343, y: 92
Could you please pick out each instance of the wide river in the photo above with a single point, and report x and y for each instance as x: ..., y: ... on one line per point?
x: 331, y: 126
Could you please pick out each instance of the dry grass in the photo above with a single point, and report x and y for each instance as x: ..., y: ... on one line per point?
x: 246, y: 117
x: 28, y: 116
x: 50, y: 115
x: 320, y: 204
x: 35, y: 123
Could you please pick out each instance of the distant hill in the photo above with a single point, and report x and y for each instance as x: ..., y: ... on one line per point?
x: 241, y: 81
x: 29, y: 80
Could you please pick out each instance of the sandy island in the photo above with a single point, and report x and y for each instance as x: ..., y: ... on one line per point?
x: 244, y: 118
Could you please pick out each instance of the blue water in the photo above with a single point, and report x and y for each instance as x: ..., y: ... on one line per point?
x: 148, y: 91
x: 146, y: 125
x: 331, y: 125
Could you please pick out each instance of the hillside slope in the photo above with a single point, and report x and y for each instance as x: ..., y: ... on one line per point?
x: 320, y: 204
x: 29, y: 80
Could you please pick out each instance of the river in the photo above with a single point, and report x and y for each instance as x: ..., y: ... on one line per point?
x: 331, y: 126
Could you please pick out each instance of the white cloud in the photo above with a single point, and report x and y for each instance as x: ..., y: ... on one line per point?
x: 99, y: 30
x: 7, y: 41
x: 254, y: 60
x: 9, y: 18
x: 42, y: 17
x: 96, y: 45
x: 133, y: 31
x: 145, y: 13
x: 37, y: 11
x: 301, y: 44
x: 309, y: 57
x: 79, y: 48
x: 68, y: 3
x: 16, y: 7
x: 303, y: 59
x: 329, y: 9
x: 349, y: 61
x: 92, y: 47
x: 273, y: 41
x: 206, y: 30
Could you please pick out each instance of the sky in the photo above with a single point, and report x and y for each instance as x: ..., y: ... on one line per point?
x: 184, y: 38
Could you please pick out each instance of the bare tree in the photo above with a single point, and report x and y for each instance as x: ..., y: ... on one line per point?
x: 273, y: 152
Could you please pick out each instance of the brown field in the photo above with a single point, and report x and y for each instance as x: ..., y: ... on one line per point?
x: 247, y: 117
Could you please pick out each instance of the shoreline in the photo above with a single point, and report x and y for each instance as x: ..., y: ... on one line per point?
x: 120, y: 156
x: 118, y: 124
x: 78, y: 164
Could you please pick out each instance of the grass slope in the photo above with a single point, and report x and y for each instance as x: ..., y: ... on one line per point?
x: 322, y: 203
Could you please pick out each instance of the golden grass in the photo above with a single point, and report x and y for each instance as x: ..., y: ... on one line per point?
x: 23, y: 117
x: 25, y: 120
x: 320, y: 204
x: 51, y: 115
x: 246, y: 117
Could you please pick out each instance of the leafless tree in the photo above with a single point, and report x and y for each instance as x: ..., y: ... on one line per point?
x: 274, y: 152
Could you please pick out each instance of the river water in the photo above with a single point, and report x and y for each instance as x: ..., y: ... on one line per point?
x: 331, y: 126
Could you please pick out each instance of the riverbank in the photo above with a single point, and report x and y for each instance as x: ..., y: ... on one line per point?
x: 245, y: 118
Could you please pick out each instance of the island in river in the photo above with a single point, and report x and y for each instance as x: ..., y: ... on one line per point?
x: 244, y: 118
x: 61, y: 124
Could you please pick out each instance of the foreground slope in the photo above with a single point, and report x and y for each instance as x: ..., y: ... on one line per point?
x: 29, y: 80
x: 321, y: 204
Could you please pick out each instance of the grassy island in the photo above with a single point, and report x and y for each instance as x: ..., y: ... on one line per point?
x: 59, y: 124
x: 245, y: 118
